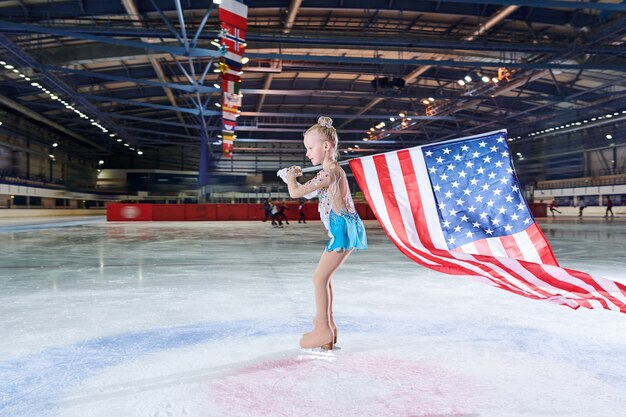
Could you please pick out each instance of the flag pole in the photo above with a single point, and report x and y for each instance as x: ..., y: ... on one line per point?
x: 316, y: 168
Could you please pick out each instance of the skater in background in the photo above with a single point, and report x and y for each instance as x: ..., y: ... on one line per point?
x: 581, y: 206
x: 345, y: 228
x: 274, y: 213
x: 267, y: 207
x: 609, y: 207
x: 302, y: 219
x: 281, y: 212
x: 553, y: 207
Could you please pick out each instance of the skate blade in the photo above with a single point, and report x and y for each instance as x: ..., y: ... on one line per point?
x: 318, y: 353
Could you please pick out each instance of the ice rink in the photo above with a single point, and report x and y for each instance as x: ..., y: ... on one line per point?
x: 203, y: 319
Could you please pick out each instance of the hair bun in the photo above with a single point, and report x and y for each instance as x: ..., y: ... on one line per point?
x: 325, y: 121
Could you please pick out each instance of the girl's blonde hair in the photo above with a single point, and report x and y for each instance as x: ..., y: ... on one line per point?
x: 324, y: 127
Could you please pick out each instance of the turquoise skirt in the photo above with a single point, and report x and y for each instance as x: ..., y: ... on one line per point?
x: 346, y: 232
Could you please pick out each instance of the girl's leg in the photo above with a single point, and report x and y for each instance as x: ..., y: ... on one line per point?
x: 327, y: 266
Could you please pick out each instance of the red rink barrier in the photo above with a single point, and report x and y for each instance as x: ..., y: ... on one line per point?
x: 200, y: 212
x: 168, y: 212
x: 119, y: 212
x: 538, y: 209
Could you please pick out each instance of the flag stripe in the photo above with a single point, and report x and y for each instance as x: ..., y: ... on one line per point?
x: 540, y: 242
x: 232, y: 18
x: 428, y: 226
x: 510, y: 247
x: 527, y: 249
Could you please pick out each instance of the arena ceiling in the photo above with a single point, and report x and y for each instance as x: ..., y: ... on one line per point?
x: 119, y: 77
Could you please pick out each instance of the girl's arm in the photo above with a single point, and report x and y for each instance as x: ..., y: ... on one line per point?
x: 297, y: 190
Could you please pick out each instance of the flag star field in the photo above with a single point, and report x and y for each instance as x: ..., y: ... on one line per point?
x: 475, y: 188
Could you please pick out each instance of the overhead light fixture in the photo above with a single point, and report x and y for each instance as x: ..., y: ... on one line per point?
x: 495, y: 80
x: 54, y: 145
x: 245, y: 60
x: 609, y: 137
x: 216, y: 85
x: 431, y: 99
x: 485, y: 79
x: 139, y: 152
x: 401, y: 114
x: 468, y: 79
x: 461, y: 82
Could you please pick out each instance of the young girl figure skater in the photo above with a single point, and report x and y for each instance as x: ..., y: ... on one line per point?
x: 345, y: 228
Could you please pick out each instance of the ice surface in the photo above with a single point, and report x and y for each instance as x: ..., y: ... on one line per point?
x: 203, y: 319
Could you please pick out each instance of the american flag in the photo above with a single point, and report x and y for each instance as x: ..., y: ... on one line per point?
x: 457, y: 207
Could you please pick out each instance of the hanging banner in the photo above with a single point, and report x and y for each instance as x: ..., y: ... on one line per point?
x: 233, y: 17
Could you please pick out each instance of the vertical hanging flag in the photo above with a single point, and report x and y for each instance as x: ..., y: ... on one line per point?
x: 234, y: 22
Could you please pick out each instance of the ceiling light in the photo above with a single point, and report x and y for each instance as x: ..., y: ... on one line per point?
x: 7, y: 66
x: 609, y: 136
x: 100, y: 162
x: 485, y: 79
x: 54, y: 145
x: 401, y: 114
x: 468, y: 79
x: 119, y: 140
x: 431, y: 99
x: 245, y: 60
x: 461, y: 82
x: 495, y: 80
x: 139, y: 152
x: 216, y: 85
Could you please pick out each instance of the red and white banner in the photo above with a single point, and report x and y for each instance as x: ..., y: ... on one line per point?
x: 234, y: 13
x: 233, y: 16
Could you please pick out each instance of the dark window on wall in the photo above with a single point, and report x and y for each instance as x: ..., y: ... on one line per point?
x: 564, y: 201
x: 591, y: 200
x: 20, y: 200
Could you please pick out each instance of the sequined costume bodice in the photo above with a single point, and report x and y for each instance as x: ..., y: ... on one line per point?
x: 335, y: 197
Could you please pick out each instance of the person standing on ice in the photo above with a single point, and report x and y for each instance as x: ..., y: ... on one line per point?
x: 345, y: 228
